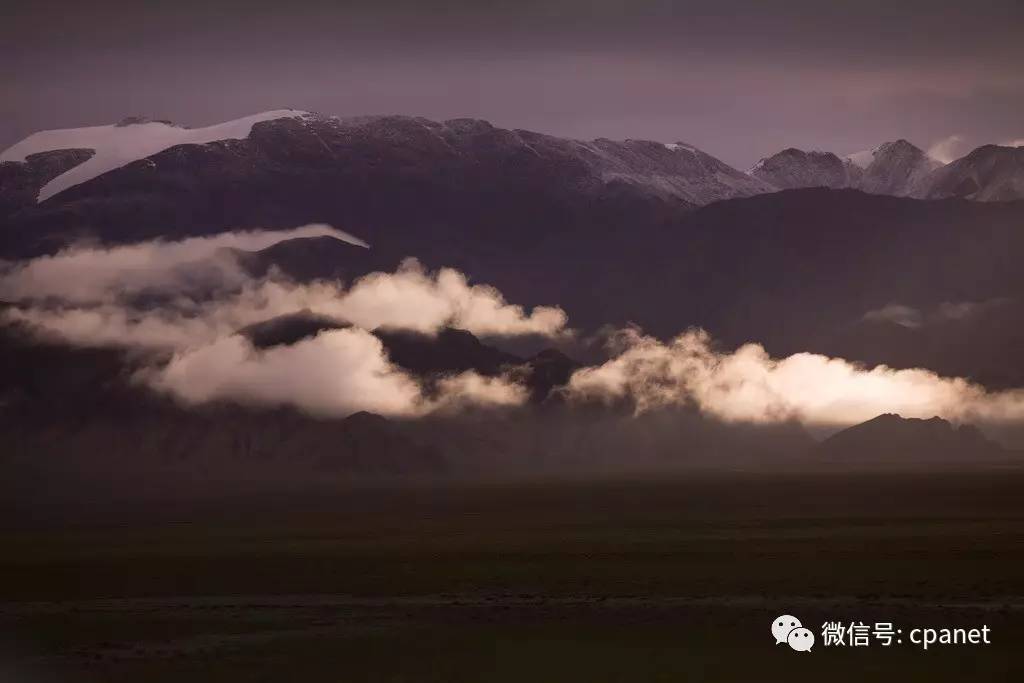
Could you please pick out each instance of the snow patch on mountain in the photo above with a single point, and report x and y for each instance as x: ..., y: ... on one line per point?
x: 132, y: 140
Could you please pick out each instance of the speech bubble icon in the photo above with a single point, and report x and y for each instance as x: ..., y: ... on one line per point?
x: 782, y: 626
x: 801, y: 639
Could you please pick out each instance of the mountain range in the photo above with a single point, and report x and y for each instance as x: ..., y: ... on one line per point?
x: 140, y: 178
x: 297, y: 166
x: 894, y: 168
x: 806, y: 269
x: 883, y: 257
x: 989, y: 173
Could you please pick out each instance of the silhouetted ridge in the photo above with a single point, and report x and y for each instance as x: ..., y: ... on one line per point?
x: 894, y: 440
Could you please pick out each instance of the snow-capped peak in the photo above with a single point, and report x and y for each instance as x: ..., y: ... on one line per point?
x: 130, y: 140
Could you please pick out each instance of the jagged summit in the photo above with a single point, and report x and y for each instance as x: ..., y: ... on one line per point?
x: 897, y: 168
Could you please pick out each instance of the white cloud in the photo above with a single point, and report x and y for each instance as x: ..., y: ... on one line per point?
x: 749, y: 386
x: 472, y: 389
x: 89, y: 296
x: 412, y: 298
x: 335, y: 373
x: 1019, y: 142
x: 89, y: 274
x: 85, y: 296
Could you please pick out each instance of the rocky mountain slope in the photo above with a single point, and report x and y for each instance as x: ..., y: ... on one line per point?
x: 899, y: 169
x: 287, y: 168
x: 376, y: 175
x: 989, y: 173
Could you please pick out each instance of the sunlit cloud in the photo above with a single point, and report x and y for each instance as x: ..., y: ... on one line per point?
x: 94, y: 274
x: 335, y: 373
x: 747, y: 385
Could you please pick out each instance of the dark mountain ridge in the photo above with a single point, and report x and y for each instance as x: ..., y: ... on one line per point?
x: 364, y: 172
x: 602, y: 229
x: 894, y: 441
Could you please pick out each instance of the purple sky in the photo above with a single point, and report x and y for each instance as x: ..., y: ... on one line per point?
x: 738, y: 78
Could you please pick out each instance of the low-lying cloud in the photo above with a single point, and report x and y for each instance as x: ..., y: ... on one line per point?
x: 413, y: 299
x: 93, y: 296
x: 335, y: 373
x: 747, y: 385
x: 95, y: 274
x: 90, y: 296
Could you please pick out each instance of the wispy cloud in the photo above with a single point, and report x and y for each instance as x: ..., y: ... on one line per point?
x: 947, y: 311
x: 94, y: 274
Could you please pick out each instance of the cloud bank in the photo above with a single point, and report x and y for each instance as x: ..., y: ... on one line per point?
x: 95, y: 296
x: 89, y: 295
x: 747, y: 385
x: 189, y: 299
x: 336, y: 373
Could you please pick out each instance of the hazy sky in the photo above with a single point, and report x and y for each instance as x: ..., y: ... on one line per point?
x: 738, y: 78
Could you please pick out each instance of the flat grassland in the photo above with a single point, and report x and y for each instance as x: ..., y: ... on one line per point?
x: 678, y: 579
